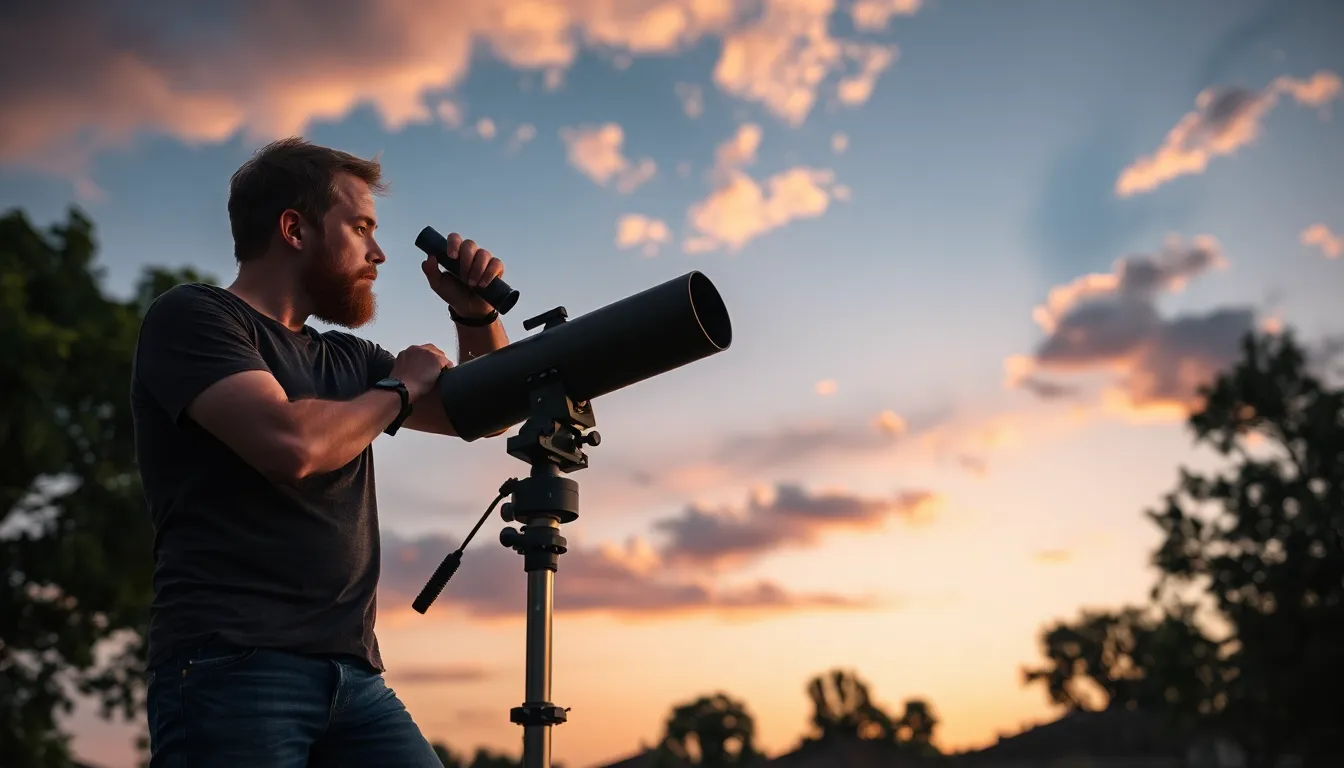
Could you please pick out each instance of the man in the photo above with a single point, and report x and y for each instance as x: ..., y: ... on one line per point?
x: 253, y: 437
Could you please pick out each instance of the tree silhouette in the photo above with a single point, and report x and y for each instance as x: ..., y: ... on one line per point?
x: 914, y: 731
x: 483, y: 758
x: 1260, y: 540
x: 1134, y: 658
x: 843, y: 708
x: 713, y: 731
x: 74, y: 534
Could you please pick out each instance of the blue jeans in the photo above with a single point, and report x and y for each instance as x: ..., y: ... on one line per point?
x: 218, y: 706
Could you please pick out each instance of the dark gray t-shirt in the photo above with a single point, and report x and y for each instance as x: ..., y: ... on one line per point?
x: 236, y: 555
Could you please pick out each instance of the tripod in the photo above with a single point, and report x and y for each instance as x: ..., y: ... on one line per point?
x: 551, y: 441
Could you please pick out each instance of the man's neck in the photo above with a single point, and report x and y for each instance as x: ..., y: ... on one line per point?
x: 271, y: 292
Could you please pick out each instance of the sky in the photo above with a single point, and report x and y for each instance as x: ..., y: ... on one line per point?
x: 978, y: 256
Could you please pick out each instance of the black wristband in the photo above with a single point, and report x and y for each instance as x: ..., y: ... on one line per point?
x: 473, y: 322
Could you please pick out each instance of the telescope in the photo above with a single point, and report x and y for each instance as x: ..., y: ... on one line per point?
x: 548, y: 381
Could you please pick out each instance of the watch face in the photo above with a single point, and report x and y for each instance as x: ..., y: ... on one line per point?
x: 388, y: 383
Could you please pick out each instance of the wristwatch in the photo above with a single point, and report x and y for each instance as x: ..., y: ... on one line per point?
x: 400, y: 388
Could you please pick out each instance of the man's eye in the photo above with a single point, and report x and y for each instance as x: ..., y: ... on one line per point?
x: 361, y: 229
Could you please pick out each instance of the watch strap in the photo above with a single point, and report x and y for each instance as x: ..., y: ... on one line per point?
x: 400, y: 388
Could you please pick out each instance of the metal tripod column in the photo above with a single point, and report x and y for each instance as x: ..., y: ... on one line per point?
x: 541, y: 503
x: 540, y: 602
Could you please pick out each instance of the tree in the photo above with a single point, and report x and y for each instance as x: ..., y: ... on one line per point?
x: 1260, y: 539
x: 914, y: 731
x: 1134, y: 658
x: 75, y: 536
x: 483, y: 758
x: 842, y: 708
x: 713, y: 731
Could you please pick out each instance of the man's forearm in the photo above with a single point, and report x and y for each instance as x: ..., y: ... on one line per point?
x: 331, y: 433
x: 474, y: 342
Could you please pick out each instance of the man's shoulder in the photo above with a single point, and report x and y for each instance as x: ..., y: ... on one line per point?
x: 188, y: 297
x: 348, y: 340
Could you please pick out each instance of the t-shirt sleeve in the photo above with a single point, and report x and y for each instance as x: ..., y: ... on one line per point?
x: 188, y: 341
x: 380, y: 363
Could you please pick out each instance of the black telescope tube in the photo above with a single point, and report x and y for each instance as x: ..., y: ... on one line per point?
x: 638, y: 337
x: 497, y: 293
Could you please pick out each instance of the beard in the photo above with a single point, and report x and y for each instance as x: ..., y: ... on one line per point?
x: 341, y: 298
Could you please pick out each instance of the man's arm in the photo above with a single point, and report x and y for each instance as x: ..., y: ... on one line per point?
x: 286, y: 440
x: 196, y: 359
x: 472, y: 342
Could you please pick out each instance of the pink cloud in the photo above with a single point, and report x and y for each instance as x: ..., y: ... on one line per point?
x: 1224, y: 120
x: 1109, y: 323
x: 84, y: 76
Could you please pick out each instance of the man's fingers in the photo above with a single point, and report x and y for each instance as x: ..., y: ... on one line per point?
x: 454, y: 243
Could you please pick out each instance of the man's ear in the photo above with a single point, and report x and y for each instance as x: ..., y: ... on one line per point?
x: 292, y: 228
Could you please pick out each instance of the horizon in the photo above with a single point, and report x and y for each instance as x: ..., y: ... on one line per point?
x: 977, y: 259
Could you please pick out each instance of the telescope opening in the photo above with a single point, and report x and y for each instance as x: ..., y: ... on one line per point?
x: 710, y: 311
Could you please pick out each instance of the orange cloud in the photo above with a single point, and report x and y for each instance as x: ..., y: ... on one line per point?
x: 1320, y: 236
x: 1224, y: 120
x: 634, y: 229
x: 741, y: 210
x: 1109, y: 323
x: 827, y: 387
x: 782, y: 58
x: 839, y: 142
x: 98, y: 74
x: 596, y: 152
x: 874, y: 15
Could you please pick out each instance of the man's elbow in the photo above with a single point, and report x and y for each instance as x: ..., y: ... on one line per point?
x: 289, y: 461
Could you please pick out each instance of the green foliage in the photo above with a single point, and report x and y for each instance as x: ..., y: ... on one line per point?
x: 76, y: 537
x: 1261, y: 539
x: 713, y: 731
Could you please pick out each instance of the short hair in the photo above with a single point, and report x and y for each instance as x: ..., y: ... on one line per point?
x: 289, y: 173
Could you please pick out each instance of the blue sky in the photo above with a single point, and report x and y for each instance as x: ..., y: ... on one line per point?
x: 979, y: 174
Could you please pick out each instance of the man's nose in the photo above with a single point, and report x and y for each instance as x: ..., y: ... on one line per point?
x: 378, y: 256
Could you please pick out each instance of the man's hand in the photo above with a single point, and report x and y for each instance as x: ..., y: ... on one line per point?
x: 478, y: 267
x: 419, y: 367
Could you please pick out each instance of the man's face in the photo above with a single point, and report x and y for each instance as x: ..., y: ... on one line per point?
x: 338, y: 276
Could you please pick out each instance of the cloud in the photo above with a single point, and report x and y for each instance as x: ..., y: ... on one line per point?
x: 1224, y: 120
x: 84, y: 76
x: 596, y: 152
x: 1320, y: 236
x: 1109, y: 322
x: 839, y: 142
x: 609, y: 579
x: 827, y: 387
x: 786, y: 516
x: 782, y: 58
x: 874, y: 15
x: 737, y: 152
x: 450, y: 113
x: 741, y: 209
x: 634, y: 229
x: 485, y: 128
x: 1052, y: 556
x: 692, y: 99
